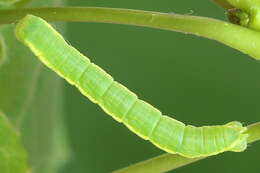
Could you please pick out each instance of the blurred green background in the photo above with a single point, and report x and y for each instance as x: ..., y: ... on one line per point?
x: 194, y: 80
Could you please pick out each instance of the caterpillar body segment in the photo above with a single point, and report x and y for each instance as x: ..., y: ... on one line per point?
x: 123, y: 105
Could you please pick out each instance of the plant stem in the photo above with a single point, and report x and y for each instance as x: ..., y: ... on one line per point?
x: 238, y: 37
x: 22, y: 3
x: 253, y: 132
x: 162, y: 163
x: 223, y: 4
x: 167, y: 162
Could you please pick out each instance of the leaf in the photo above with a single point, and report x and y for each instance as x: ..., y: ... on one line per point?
x: 31, y: 96
x: 13, y: 157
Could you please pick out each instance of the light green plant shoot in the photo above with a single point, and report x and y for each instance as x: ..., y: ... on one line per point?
x: 123, y: 105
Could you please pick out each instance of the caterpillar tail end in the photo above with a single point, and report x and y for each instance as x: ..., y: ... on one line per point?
x: 240, y: 144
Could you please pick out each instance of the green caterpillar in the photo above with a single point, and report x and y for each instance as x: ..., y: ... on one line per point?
x: 123, y: 105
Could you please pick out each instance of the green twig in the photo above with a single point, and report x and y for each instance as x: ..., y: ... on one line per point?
x: 162, y: 163
x: 22, y: 3
x: 253, y: 132
x: 223, y: 3
x: 224, y: 32
x: 167, y: 162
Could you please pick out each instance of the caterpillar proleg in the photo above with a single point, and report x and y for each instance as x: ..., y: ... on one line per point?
x: 123, y: 105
